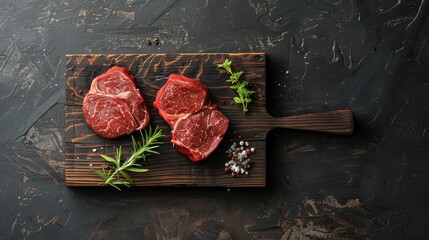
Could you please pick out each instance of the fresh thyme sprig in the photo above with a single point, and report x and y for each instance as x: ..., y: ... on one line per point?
x: 117, y: 175
x: 240, y: 87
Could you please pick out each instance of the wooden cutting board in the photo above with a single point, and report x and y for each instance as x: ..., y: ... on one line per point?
x: 171, y: 168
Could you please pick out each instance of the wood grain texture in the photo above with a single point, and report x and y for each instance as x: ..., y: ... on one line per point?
x: 171, y: 168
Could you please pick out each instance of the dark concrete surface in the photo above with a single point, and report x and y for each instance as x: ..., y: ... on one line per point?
x: 370, y: 56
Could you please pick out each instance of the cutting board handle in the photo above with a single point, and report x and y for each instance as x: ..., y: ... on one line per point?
x: 336, y: 122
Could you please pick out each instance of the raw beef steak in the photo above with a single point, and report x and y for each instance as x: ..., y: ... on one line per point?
x: 179, y: 97
x: 197, y: 126
x: 198, y: 134
x: 114, y: 106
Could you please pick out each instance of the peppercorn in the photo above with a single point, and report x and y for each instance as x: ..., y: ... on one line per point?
x: 156, y: 40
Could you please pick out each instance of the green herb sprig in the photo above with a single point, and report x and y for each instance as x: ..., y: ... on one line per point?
x: 117, y: 175
x: 240, y: 87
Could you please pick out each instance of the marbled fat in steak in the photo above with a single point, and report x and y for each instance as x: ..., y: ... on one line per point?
x: 197, y: 125
x: 114, y: 106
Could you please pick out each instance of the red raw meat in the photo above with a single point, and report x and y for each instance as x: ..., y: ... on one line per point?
x: 199, y: 134
x: 179, y: 97
x: 197, y: 125
x: 114, y: 106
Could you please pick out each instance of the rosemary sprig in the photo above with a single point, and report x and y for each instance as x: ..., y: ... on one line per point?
x: 117, y: 175
x: 240, y: 87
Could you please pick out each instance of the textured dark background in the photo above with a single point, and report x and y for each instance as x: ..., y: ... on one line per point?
x: 370, y: 56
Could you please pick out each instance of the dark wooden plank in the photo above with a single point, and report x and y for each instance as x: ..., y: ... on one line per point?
x: 152, y: 70
x: 171, y: 168
x: 167, y: 169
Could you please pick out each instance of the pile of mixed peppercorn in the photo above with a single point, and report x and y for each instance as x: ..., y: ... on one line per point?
x: 239, y: 159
